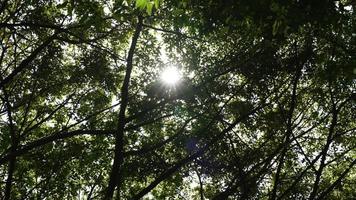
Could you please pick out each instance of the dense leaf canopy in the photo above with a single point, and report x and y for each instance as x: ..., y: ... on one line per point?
x: 264, y: 107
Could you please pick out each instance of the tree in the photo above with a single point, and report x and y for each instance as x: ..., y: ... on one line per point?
x: 263, y: 108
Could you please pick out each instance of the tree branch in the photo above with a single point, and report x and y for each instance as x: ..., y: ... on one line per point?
x: 338, y: 181
x: 25, y: 63
x: 45, y: 140
x: 193, y: 156
x: 172, y: 32
x: 116, y: 176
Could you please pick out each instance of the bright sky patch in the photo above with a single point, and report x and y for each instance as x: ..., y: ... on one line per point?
x: 170, y: 75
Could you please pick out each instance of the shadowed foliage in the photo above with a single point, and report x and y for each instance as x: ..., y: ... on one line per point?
x: 264, y: 107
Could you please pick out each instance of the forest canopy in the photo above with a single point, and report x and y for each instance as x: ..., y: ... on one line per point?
x: 178, y: 99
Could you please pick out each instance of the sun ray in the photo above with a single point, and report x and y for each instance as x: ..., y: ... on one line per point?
x: 171, y: 76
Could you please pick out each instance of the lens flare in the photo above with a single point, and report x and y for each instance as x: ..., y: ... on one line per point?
x: 171, y: 76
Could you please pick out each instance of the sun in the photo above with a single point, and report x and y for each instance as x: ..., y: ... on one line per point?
x: 170, y: 76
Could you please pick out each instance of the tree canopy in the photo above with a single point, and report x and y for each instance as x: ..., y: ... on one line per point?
x: 263, y: 107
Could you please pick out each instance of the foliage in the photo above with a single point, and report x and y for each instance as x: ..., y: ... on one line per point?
x: 264, y: 109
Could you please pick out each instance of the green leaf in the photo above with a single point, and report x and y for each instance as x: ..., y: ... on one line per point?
x: 149, y: 8
x: 141, y: 4
x: 156, y: 2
